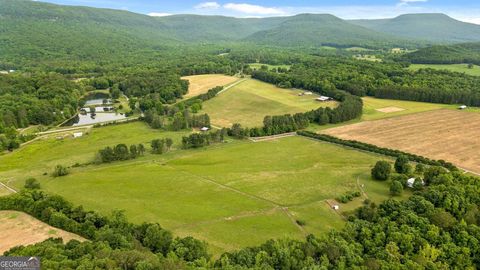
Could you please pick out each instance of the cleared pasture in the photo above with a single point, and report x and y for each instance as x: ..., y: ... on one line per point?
x: 462, y: 68
x: 43, y: 155
x: 258, y: 66
x: 200, y: 84
x: 18, y: 228
x: 232, y: 195
x: 251, y: 100
x: 442, y: 134
x: 376, y: 108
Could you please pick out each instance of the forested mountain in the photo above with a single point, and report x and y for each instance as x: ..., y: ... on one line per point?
x: 38, y: 30
x: 435, y: 28
x: 194, y: 28
x: 33, y: 32
x: 452, y: 54
x: 322, y: 29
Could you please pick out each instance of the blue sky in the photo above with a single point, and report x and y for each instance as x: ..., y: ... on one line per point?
x: 466, y: 10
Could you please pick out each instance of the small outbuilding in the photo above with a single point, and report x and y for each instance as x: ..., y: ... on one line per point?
x: 411, y: 182
x: 323, y: 98
x: 77, y: 134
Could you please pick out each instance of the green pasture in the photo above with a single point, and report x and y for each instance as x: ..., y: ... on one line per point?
x: 43, y: 155
x: 372, y: 107
x: 462, y: 68
x: 250, y: 101
x: 232, y: 195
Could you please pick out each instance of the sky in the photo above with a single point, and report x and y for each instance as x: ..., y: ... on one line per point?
x: 465, y: 10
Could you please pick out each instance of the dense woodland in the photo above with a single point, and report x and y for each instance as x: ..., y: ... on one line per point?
x: 382, y: 80
x: 468, y: 53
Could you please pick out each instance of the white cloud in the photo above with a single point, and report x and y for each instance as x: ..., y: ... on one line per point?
x: 253, y: 9
x: 158, y: 14
x: 471, y: 20
x: 208, y: 5
x: 406, y: 2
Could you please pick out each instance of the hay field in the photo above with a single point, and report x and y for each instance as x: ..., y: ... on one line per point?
x: 200, y: 84
x: 18, y: 228
x: 232, y: 195
x: 250, y: 101
x: 442, y: 134
x: 462, y: 68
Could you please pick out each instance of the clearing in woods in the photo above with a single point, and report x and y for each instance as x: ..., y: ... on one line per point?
x: 462, y: 68
x: 441, y: 134
x: 251, y: 100
x: 19, y: 228
x: 232, y: 195
x: 200, y: 84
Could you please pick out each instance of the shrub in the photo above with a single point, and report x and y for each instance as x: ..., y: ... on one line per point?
x: 60, y: 170
x: 32, y: 183
x: 301, y: 222
x: 401, y: 164
x: 382, y: 170
x: 396, y: 188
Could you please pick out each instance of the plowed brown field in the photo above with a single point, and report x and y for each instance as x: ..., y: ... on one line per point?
x: 17, y: 228
x: 442, y: 134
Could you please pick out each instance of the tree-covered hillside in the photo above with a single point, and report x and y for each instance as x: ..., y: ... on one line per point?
x: 33, y: 30
x: 454, y: 54
x: 433, y: 28
x: 322, y: 29
x: 197, y: 28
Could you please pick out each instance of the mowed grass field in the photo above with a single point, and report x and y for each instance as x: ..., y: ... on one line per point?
x: 462, y: 68
x: 376, y: 108
x: 258, y: 66
x: 251, y: 100
x: 200, y: 84
x: 441, y: 134
x: 18, y: 228
x: 232, y: 195
x: 43, y: 155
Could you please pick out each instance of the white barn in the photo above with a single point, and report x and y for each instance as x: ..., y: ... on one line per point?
x: 323, y: 98
x: 411, y: 182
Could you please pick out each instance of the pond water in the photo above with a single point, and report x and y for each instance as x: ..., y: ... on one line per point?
x: 87, y: 119
x: 98, y: 101
x: 102, y: 114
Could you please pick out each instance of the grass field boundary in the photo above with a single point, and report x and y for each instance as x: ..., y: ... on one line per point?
x: 370, y: 148
x: 8, y: 188
x: 252, y: 196
x: 272, y: 137
x: 232, y: 85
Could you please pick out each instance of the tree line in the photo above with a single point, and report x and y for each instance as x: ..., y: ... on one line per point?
x: 198, y: 140
x: 119, y: 152
x: 350, y: 106
x: 379, y: 150
x: 122, y: 152
x: 113, y: 241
